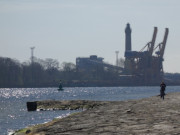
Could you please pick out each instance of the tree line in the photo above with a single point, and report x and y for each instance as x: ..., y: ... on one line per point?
x: 48, y: 73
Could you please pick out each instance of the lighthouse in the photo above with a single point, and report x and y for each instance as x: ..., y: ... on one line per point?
x: 128, y: 38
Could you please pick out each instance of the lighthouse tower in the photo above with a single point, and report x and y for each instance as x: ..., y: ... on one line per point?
x: 128, y: 38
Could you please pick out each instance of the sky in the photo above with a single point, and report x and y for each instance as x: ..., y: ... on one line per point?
x: 66, y: 29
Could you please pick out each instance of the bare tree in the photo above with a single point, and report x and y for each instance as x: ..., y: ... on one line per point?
x: 68, y: 66
x: 51, y: 63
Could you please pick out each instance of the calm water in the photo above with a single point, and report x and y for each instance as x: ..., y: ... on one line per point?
x: 14, y: 115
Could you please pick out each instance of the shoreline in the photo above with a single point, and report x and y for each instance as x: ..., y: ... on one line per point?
x: 70, y: 86
x: 143, y: 116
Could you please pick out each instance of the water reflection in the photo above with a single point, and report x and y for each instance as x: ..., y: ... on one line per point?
x: 14, y: 115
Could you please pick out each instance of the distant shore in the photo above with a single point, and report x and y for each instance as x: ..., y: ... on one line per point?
x: 104, y: 84
x: 152, y: 116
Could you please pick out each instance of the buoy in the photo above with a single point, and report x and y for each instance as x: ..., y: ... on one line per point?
x: 60, y: 87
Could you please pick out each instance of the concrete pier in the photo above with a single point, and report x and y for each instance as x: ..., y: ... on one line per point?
x: 149, y: 116
x: 68, y: 104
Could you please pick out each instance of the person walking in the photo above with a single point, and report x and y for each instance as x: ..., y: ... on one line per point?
x: 162, y: 90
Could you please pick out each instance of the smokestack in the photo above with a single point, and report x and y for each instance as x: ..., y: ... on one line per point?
x: 128, y: 38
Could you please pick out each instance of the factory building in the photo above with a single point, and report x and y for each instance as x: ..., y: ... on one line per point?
x: 88, y: 63
x: 93, y: 62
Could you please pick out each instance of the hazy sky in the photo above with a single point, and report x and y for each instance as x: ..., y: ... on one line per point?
x: 66, y: 29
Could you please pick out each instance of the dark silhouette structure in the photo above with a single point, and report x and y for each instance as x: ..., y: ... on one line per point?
x: 31, y: 106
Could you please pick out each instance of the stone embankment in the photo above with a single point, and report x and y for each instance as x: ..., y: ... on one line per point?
x: 68, y: 105
x: 150, y: 116
x: 63, y: 105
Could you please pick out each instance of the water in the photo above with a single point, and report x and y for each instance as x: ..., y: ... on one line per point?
x: 14, y: 115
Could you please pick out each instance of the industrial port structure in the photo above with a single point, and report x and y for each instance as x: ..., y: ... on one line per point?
x: 147, y: 64
x: 140, y: 67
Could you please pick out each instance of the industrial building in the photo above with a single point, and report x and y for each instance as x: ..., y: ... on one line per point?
x: 88, y: 63
x: 93, y: 62
x: 146, y: 64
x: 143, y: 67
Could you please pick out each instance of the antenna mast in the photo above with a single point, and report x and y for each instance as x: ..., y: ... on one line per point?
x: 117, y: 63
x: 32, y: 54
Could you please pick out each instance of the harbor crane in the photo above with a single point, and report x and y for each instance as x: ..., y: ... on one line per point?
x: 143, y: 64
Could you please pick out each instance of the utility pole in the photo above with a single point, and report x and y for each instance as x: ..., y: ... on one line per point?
x: 117, y: 63
x: 32, y: 67
x: 32, y: 54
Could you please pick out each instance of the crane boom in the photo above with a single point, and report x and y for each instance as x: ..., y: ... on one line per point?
x: 164, y: 42
x: 162, y: 45
x: 150, y: 45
